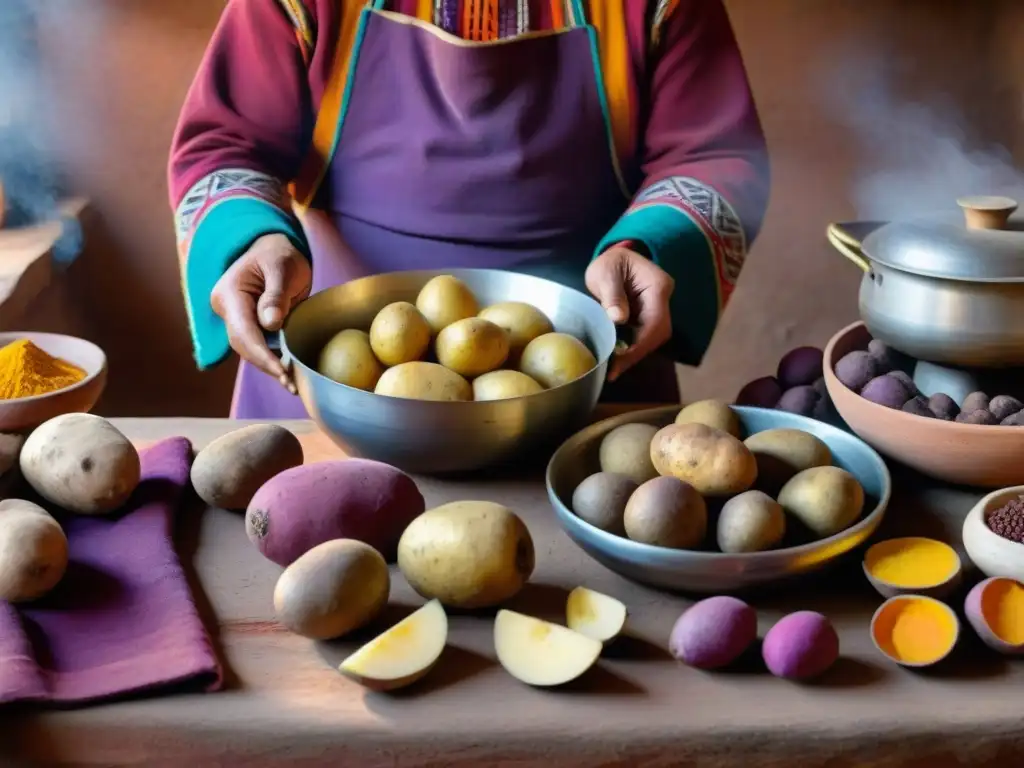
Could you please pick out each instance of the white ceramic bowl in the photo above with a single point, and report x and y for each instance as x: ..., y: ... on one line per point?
x: 991, y: 553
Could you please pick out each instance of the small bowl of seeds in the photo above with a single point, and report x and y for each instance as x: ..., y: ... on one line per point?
x: 993, y: 534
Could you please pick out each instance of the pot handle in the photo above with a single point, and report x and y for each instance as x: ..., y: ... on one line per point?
x: 847, y: 245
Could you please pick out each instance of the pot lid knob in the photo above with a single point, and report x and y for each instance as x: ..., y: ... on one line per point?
x: 987, y: 211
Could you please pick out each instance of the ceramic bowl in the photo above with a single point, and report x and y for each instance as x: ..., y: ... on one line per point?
x: 964, y: 454
x: 437, y: 437
x: 29, y: 412
x: 991, y: 553
x: 939, y: 589
x: 884, y: 628
x: 993, y: 609
x: 714, y: 572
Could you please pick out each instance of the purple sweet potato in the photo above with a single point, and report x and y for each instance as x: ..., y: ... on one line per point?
x: 800, y: 367
x: 885, y: 357
x: 918, y: 406
x: 977, y: 416
x: 762, y: 393
x: 976, y: 401
x: 906, y: 380
x: 1003, y: 406
x: 856, y: 369
x: 943, y: 406
x: 713, y: 632
x: 886, y: 390
x: 801, y: 400
x: 801, y: 645
x: 356, y: 499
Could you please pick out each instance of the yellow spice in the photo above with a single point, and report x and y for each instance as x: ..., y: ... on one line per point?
x: 912, y: 563
x: 26, y: 371
x: 915, y: 630
x: 1002, y: 606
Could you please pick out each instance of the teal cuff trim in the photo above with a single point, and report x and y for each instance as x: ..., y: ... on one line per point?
x: 224, y: 233
x: 679, y: 246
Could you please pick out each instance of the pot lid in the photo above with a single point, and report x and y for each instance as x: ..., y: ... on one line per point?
x: 984, y: 244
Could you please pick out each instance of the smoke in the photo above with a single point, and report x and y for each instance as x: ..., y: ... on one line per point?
x: 918, y: 156
x: 30, y: 163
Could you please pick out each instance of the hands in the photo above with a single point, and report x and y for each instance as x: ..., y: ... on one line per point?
x: 256, y: 294
x: 632, y: 288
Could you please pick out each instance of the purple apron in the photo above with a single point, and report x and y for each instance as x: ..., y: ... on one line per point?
x: 459, y: 154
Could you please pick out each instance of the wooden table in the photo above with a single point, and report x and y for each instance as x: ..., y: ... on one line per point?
x: 286, y: 704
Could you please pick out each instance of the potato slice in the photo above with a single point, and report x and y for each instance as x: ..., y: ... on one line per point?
x: 595, y: 615
x: 540, y: 653
x: 403, y: 654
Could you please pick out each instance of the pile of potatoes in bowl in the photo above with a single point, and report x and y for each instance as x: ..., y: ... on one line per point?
x: 696, y: 485
x: 446, y: 348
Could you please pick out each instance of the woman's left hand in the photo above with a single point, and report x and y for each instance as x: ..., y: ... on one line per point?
x: 632, y: 289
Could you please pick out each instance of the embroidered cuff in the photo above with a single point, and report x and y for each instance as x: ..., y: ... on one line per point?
x: 224, y: 233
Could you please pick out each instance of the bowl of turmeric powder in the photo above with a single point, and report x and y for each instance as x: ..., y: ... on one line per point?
x: 43, y: 375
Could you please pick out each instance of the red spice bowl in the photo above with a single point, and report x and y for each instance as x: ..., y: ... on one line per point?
x: 26, y: 413
x: 965, y: 454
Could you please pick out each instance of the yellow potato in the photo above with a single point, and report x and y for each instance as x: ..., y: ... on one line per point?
x: 825, y: 499
x: 445, y: 300
x: 782, y: 453
x: 750, y: 522
x: 423, y: 381
x: 626, y: 450
x: 713, y: 413
x: 555, y: 359
x: 33, y: 551
x: 524, y: 323
x: 467, y: 554
x: 399, y: 334
x: 666, y: 512
x: 504, y: 385
x: 712, y: 461
x: 472, y: 347
x: 348, y: 359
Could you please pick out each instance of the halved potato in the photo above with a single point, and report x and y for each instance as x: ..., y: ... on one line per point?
x: 403, y: 654
x: 595, y: 615
x: 540, y: 653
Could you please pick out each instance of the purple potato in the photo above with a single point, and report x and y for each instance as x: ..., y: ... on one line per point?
x: 918, y: 406
x: 943, y: 406
x: 976, y: 401
x: 886, y: 390
x: 904, y: 378
x: 1014, y: 420
x: 822, y: 410
x: 763, y: 393
x: 800, y: 646
x: 801, y: 400
x: 1004, y: 406
x: 800, y: 367
x: 884, y: 356
x: 977, y: 416
x: 820, y: 387
x: 856, y: 369
x: 714, y: 632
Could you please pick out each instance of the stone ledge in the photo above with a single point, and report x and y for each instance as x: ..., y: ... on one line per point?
x: 26, y: 263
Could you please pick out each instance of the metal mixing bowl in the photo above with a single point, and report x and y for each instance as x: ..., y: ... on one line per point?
x: 432, y: 437
x: 714, y: 572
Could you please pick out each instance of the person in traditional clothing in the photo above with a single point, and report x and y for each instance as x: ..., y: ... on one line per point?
x: 611, y: 145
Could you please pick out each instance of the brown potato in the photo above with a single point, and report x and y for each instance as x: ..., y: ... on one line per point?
x: 524, y: 323
x: 626, y: 450
x: 666, y: 512
x: 713, y: 413
x: 601, y: 500
x: 399, y: 334
x: 33, y: 551
x: 712, y: 461
x: 445, y: 300
x: 750, y: 522
x: 82, y: 463
x: 825, y: 499
x: 423, y: 381
x: 229, y: 471
x: 348, y: 359
x: 504, y: 385
x: 555, y: 359
x: 472, y: 347
x: 783, y: 453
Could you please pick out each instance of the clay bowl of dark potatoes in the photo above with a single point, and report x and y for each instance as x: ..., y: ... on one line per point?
x: 977, y: 443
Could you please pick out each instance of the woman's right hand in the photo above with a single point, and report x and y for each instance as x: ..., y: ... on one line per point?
x: 256, y: 294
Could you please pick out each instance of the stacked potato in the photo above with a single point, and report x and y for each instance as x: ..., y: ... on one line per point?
x: 656, y: 485
x: 506, y: 350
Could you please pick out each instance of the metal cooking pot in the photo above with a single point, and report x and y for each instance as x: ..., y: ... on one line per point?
x: 944, y: 289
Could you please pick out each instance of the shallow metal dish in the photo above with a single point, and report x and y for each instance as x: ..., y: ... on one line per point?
x: 714, y: 572
x: 430, y: 437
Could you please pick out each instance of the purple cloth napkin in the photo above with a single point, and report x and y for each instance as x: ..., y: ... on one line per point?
x: 122, y: 621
